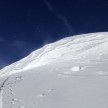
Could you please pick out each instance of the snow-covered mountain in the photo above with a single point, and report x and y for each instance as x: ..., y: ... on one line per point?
x: 70, y: 73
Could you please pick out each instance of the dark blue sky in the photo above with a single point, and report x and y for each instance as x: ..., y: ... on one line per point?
x: 26, y: 25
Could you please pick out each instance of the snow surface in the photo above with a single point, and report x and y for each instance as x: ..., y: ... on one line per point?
x: 70, y: 73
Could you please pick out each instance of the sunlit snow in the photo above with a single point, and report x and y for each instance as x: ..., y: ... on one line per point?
x: 70, y: 73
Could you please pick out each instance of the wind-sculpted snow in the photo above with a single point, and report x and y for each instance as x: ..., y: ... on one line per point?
x: 76, y: 47
x: 70, y: 73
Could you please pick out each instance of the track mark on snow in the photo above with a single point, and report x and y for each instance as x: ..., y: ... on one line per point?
x: 11, y: 94
x: 21, y: 107
x: 1, y: 92
x: 45, y: 93
x: 42, y: 96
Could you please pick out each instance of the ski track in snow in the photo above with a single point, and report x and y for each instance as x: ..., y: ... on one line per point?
x: 7, y: 84
x: 1, y: 92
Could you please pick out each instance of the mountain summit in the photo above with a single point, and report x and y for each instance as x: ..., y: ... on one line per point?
x: 81, y: 48
x: 69, y: 73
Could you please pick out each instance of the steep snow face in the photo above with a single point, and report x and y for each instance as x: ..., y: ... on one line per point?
x: 70, y: 73
x: 82, y: 47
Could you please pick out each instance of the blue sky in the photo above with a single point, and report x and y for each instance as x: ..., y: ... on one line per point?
x: 26, y: 25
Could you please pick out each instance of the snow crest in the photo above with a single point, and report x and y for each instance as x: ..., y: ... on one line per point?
x: 83, y: 47
x: 70, y: 73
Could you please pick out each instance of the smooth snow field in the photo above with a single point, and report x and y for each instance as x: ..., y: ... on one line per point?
x: 69, y: 73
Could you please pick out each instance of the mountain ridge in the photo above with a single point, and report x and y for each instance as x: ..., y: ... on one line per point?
x: 70, y: 73
x: 71, y: 47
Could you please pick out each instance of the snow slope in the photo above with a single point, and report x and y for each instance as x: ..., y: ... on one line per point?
x: 70, y: 73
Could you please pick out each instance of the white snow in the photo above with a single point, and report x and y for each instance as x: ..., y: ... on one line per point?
x: 76, y: 68
x: 76, y: 47
x: 1, y: 99
x: 70, y: 73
